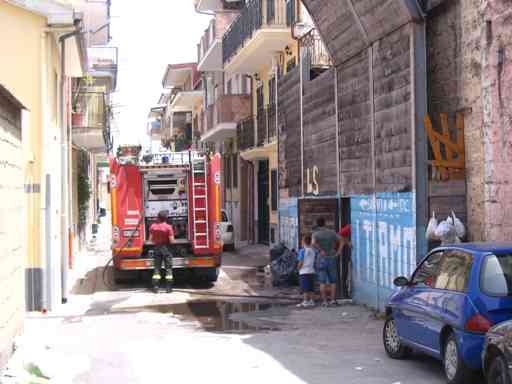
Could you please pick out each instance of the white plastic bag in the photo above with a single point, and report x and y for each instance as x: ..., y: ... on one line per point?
x: 445, y: 232
x: 431, y: 228
x: 444, y: 229
x: 460, y: 229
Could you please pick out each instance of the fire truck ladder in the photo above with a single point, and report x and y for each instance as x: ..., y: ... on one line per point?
x: 200, y: 202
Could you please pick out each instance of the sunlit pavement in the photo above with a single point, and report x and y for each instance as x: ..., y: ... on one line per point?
x: 132, y: 335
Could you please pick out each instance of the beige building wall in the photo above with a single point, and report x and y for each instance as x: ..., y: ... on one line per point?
x: 31, y: 71
x: 11, y: 220
x: 21, y: 73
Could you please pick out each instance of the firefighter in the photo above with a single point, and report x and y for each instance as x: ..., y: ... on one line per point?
x: 162, y: 236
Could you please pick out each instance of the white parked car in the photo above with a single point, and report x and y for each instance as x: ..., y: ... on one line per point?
x: 226, y: 228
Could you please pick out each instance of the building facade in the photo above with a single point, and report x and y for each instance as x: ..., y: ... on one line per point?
x: 374, y: 115
x: 12, y: 209
x: 248, y: 46
x: 91, y: 119
x: 45, y: 52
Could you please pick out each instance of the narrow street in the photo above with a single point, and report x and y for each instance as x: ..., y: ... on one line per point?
x: 325, y: 183
x: 131, y: 335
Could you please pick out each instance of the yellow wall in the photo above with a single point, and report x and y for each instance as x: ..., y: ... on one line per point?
x: 21, y: 71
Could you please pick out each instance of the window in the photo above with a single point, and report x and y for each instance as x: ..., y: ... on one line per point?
x: 235, y: 171
x: 454, y: 271
x: 496, y: 278
x: 229, y: 87
x: 426, y: 274
x: 224, y: 217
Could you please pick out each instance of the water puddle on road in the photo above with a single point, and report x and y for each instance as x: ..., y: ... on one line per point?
x: 212, y: 316
x: 254, y: 277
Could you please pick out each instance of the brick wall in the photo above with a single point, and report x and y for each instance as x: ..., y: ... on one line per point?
x: 487, y: 97
x: 11, y: 213
x: 471, y: 84
x: 497, y: 118
x: 446, y: 85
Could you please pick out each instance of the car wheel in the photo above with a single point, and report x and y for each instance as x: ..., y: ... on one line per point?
x: 392, y: 343
x: 498, y: 371
x: 455, y: 369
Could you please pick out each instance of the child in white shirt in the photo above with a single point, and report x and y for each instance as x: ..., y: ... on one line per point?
x: 306, y: 267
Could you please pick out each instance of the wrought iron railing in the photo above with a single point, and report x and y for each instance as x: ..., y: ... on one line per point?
x: 253, y: 16
x: 290, y: 13
x: 262, y: 128
x: 272, y: 122
x: 245, y: 133
x: 314, y: 51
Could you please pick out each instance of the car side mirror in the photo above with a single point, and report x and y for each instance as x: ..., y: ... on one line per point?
x: 401, y: 281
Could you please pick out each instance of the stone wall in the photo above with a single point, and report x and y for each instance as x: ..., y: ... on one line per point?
x: 445, y: 90
x: 11, y: 213
x: 471, y: 85
x: 497, y: 117
x: 288, y: 99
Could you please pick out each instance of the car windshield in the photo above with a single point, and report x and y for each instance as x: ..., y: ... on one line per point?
x: 497, y: 275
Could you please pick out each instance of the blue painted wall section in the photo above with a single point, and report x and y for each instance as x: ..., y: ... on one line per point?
x: 289, y: 222
x: 384, y: 244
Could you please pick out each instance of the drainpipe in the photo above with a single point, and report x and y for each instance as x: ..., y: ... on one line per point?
x: 64, y: 164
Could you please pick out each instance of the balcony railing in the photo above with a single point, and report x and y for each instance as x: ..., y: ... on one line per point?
x: 290, y: 12
x: 255, y: 15
x: 207, y: 40
x: 101, y: 58
x: 272, y: 122
x: 245, y: 133
x: 314, y: 51
x: 267, y: 125
x: 228, y: 109
x: 90, y: 111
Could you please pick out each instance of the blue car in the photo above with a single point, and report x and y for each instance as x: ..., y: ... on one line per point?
x: 456, y: 294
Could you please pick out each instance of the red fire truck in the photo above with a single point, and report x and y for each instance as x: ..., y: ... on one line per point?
x: 187, y: 185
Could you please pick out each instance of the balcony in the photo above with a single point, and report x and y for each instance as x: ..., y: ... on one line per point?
x: 245, y: 133
x: 210, y: 49
x: 90, y: 121
x: 316, y: 56
x: 103, y: 65
x: 184, y: 101
x: 256, y: 34
x: 267, y: 125
x: 223, y: 116
x: 217, y: 5
x: 259, y: 144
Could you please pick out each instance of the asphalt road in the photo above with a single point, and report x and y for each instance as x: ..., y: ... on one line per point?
x: 131, y: 335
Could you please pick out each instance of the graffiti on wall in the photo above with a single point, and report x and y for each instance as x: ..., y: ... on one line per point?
x: 289, y: 222
x: 384, y: 244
